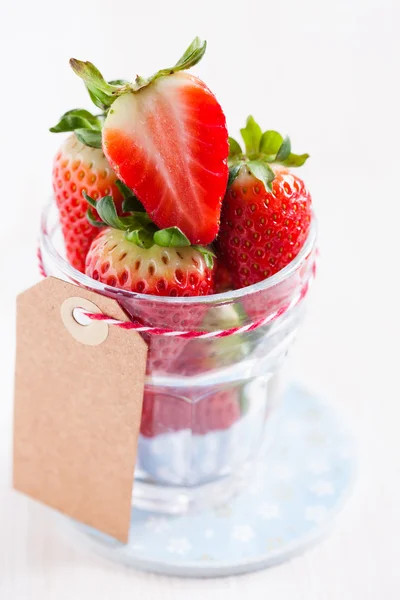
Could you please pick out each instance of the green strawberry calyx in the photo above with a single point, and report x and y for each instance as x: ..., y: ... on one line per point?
x: 137, y: 225
x: 86, y: 126
x: 261, y: 149
x: 104, y: 93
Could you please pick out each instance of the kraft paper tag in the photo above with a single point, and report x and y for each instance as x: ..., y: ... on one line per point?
x: 78, y: 403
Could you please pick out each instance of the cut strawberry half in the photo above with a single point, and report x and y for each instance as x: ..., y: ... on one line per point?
x: 168, y: 144
x: 166, y: 139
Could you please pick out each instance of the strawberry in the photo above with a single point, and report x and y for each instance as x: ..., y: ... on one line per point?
x: 160, y: 271
x: 217, y: 412
x: 205, y: 355
x: 223, y: 279
x: 267, y: 211
x: 80, y: 165
x: 165, y: 354
x: 163, y: 413
x: 166, y: 138
x: 132, y: 254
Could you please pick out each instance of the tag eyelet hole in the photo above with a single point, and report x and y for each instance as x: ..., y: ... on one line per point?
x: 79, y: 316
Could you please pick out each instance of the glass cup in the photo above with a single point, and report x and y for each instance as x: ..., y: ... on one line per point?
x: 208, y: 403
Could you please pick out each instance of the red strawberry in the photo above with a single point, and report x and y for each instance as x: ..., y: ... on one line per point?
x: 160, y: 271
x: 205, y: 355
x: 78, y: 168
x: 217, y: 412
x: 267, y: 209
x: 163, y: 413
x: 223, y: 279
x: 165, y: 353
x: 166, y: 138
x: 139, y: 258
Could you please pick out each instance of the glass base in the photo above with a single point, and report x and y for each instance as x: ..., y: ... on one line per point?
x: 297, y: 487
x: 180, y: 500
x: 180, y: 472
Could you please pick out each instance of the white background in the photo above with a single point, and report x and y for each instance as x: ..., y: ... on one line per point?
x: 328, y: 74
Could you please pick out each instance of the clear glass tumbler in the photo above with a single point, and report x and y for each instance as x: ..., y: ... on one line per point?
x: 208, y: 402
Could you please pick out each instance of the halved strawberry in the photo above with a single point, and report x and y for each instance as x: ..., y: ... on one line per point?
x: 166, y: 139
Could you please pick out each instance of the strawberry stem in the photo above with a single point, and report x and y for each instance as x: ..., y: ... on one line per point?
x: 86, y: 126
x: 192, y: 55
x: 103, y: 93
x: 262, y: 149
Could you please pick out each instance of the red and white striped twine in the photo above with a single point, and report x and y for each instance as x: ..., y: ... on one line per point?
x: 40, y: 262
x: 165, y: 331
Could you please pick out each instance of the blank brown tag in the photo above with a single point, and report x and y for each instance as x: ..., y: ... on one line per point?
x: 78, y: 402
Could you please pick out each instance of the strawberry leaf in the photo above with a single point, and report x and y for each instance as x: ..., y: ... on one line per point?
x: 89, y: 199
x: 284, y: 150
x: 295, y: 160
x: 89, y: 137
x: 141, y: 237
x: 251, y: 135
x: 234, y: 148
x: 77, y: 118
x: 270, y: 143
x: 208, y: 255
x: 102, y: 93
x: 91, y: 76
x: 172, y: 237
x: 130, y: 203
x: 137, y: 220
x: 108, y: 213
x: 261, y: 149
x: 233, y: 173
x: 119, y: 82
x: 126, y: 192
x: 263, y: 172
x: 192, y: 55
x: 102, y: 103
x: 138, y: 226
x: 92, y: 219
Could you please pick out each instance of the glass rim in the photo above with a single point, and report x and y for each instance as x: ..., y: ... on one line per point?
x: 222, y: 298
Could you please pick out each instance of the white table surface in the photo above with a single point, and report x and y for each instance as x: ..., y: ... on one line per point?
x: 329, y: 75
